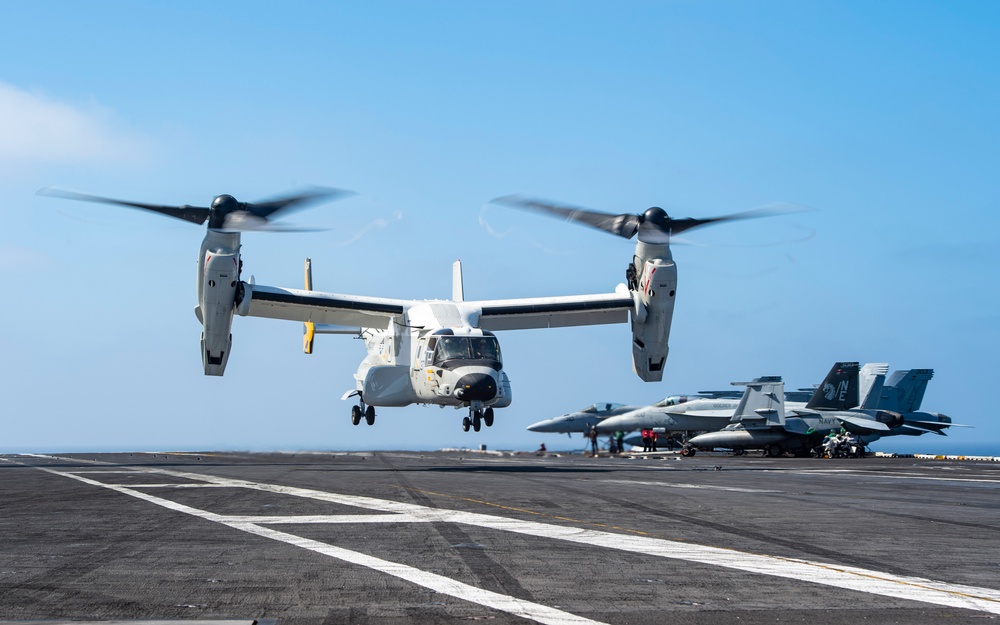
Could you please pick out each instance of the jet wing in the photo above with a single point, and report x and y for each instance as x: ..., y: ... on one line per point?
x: 555, y: 312
x: 318, y: 307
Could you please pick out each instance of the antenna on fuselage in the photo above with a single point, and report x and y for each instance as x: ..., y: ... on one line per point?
x: 457, y: 288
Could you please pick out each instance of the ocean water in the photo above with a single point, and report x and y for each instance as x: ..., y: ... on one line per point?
x: 937, y: 445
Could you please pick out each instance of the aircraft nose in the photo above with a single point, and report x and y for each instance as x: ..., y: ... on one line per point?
x: 541, y: 426
x: 615, y: 424
x: 473, y: 386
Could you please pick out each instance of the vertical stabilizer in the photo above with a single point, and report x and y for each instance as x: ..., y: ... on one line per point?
x: 904, y: 392
x: 871, y: 380
x: 763, y: 403
x: 457, y: 287
x: 839, y: 391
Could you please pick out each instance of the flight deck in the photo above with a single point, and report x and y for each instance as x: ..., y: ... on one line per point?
x: 458, y: 536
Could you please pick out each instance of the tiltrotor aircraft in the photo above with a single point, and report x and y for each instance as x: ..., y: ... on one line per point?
x: 440, y: 352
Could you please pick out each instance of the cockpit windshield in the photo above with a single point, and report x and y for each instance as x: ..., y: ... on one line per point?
x: 672, y: 400
x: 468, y: 348
x: 594, y: 408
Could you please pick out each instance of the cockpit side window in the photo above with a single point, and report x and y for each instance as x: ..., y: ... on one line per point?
x: 486, y: 347
x: 451, y: 347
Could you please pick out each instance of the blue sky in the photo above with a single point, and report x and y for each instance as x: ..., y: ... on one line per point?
x: 881, y: 117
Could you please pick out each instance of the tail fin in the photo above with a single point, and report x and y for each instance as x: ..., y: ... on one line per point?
x: 309, y: 332
x: 839, y: 391
x: 763, y: 403
x: 871, y: 381
x: 904, y: 392
x: 457, y: 287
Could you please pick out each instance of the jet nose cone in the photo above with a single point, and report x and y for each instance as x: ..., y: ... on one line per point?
x: 623, y: 423
x: 476, y: 386
x: 541, y: 426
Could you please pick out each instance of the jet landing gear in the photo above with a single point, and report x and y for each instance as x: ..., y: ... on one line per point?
x: 359, y: 411
x: 477, y: 418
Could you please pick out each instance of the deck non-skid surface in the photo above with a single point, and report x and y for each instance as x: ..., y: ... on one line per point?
x: 457, y: 536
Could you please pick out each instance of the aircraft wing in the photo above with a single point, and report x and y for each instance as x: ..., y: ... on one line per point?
x: 555, y: 312
x: 318, y: 307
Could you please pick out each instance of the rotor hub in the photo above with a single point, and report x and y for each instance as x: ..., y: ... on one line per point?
x: 656, y: 215
x: 222, y: 206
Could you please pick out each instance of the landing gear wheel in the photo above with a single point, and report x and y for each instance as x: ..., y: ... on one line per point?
x: 466, y: 424
x: 488, y: 417
x: 370, y: 415
x: 356, y: 414
x: 477, y: 420
x: 773, y: 451
x: 687, y: 452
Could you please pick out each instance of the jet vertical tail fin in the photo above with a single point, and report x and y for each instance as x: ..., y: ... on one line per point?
x: 457, y: 286
x: 762, y: 404
x: 904, y: 392
x: 871, y: 381
x: 839, y: 391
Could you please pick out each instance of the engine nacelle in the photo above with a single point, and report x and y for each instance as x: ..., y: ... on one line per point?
x: 651, y: 317
x: 217, y: 300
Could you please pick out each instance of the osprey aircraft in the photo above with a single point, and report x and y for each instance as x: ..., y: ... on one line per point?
x: 440, y: 352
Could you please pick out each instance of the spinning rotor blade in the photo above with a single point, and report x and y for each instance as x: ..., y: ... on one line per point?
x: 194, y: 214
x: 295, y: 202
x: 225, y: 213
x: 654, y: 226
x: 621, y: 225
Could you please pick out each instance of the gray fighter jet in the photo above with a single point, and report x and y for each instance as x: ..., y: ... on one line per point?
x: 710, y: 411
x: 581, y: 420
x: 761, y: 421
x: 597, y: 414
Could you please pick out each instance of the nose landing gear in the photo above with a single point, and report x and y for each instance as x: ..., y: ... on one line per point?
x: 477, y: 417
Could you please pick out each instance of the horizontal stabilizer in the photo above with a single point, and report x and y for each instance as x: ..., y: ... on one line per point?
x: 915, y: 430
x: 860, y: 425
x: 938, y: 424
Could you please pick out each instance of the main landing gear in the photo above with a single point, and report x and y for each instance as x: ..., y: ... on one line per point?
x: 359, y: 411
x: 477, y: 418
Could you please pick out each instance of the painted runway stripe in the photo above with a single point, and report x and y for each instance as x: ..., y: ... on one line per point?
x: 438, y: 583
x: 834, y: 575
x: 694, y: 486
x: 893, y: 476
